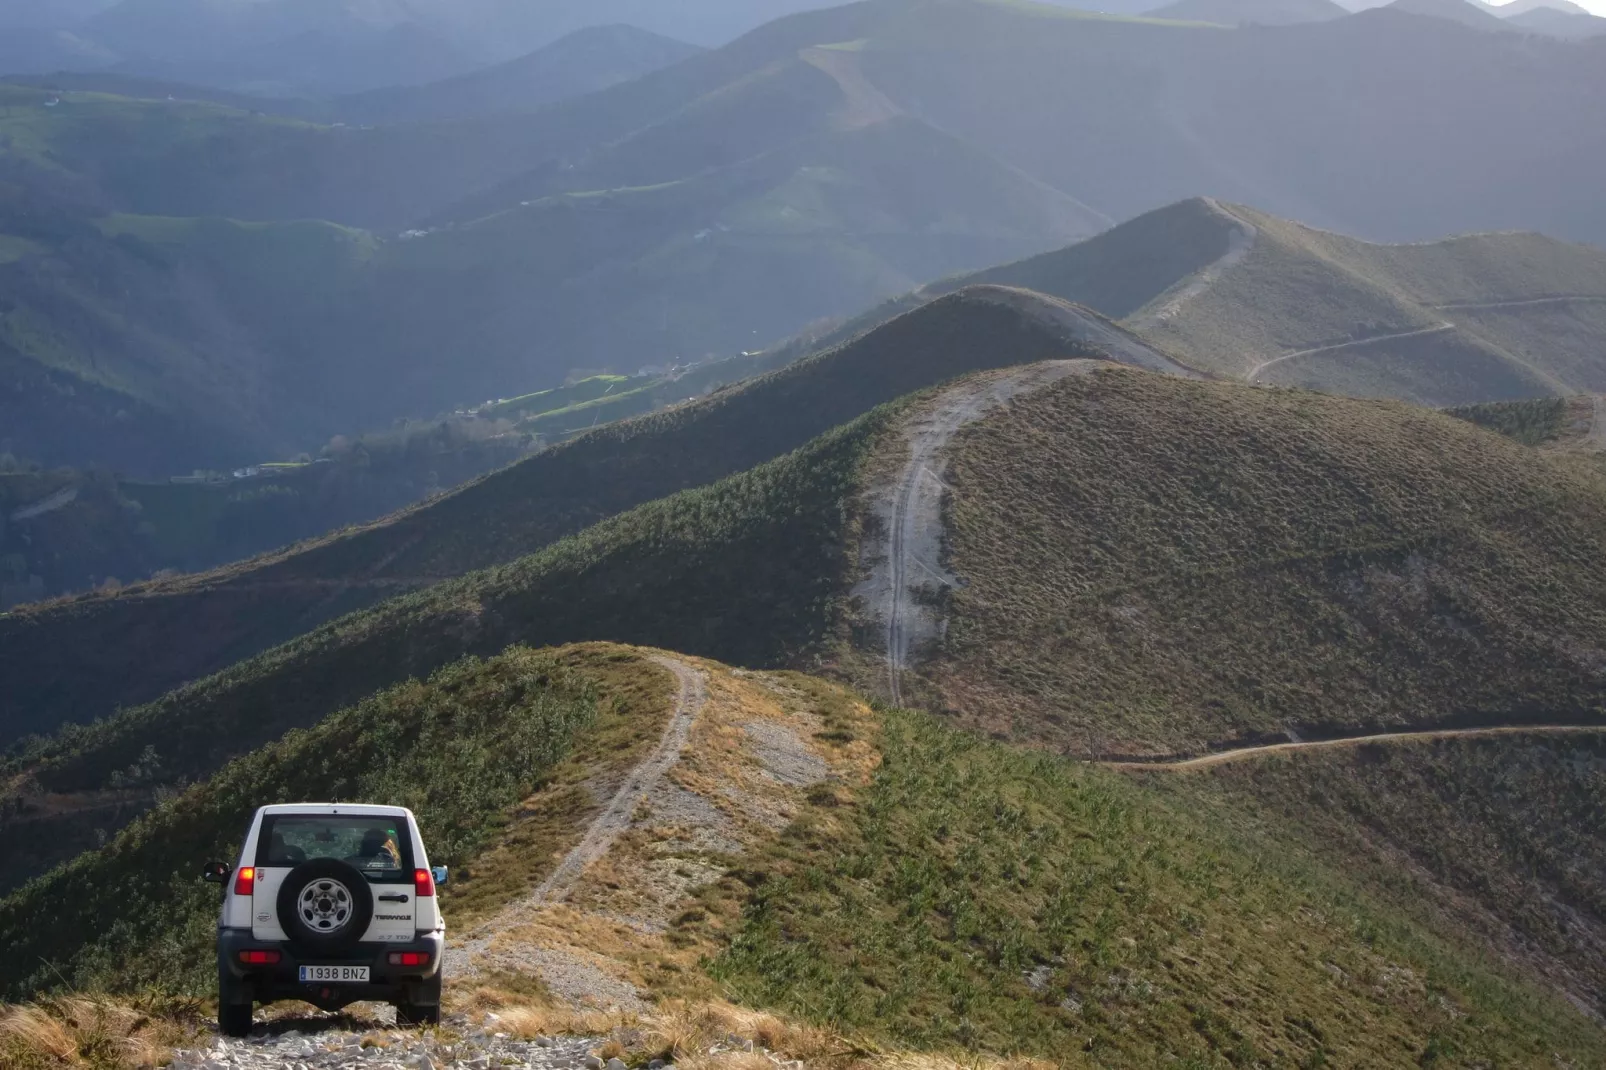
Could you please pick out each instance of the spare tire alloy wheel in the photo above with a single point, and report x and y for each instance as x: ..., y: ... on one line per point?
x: 325, y: 905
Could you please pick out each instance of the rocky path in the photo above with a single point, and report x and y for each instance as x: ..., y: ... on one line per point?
x: 604, y: 830
x: 862, y: 103
x: 337, y: 1043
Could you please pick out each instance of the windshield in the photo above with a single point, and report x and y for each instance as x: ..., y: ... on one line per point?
x: 378, y: 847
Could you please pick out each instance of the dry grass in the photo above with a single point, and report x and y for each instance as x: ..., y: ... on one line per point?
x: 89, y: 1032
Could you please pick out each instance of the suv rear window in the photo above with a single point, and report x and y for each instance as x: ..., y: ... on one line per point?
x: 379, y: 847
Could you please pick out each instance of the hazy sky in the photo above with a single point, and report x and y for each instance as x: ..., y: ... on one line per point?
x: 1597, y: 7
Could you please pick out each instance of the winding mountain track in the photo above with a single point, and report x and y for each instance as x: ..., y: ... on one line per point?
x: 1244, y: 753
x: 862, y: 103
x: 1454, y: 306
x: 1358, y: 343
x: 913, y: 509
x: 1240, y: 243
x: 615, y: 817
x: 606, y: 828
x: 1520, y: 302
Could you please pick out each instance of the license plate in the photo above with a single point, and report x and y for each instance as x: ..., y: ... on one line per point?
x: 338, y: 974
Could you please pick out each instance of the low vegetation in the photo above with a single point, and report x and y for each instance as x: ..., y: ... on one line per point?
x: 942, y: 901
x: 1533, y: 423
x: 94, y: 1033
x: 1498, y: 839
x: 980, y: 898
x: 1186, y: 565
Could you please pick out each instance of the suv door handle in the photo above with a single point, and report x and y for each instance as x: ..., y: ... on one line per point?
x: 393, y: 899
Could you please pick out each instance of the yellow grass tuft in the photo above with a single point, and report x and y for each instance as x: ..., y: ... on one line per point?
x: 84, y: 1032
x: 528, y: 1021
x: 30, y: 1031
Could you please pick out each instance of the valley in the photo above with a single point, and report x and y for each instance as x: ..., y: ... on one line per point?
x: 907, y: 535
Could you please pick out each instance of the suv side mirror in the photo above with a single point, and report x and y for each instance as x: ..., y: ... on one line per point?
x: 441, y: 873
x: 216, y: 872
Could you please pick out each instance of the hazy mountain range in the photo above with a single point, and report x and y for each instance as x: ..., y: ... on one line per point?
x: 192, y: 284
x: 913, y: 534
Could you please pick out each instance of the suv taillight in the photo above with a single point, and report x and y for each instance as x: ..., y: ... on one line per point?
x: 423, y: 883
x: 409, y: 958
x: 260, y: 958
x: 245, y: 879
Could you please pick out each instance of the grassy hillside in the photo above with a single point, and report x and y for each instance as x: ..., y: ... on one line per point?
x: 93, y: 654
x: 1533, y: 423
x: 1119, y: 923
x: 1186, y: 564
x: 460, y: 750
x: 1499, y: 836
x: 755, y: 567
x: 582, y: 62
x: 1183, y: 565
x: 1109, y: 926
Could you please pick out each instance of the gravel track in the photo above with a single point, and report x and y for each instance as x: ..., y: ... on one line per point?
x: 1357, y: 343
x: 601, y: 835
x: 336, y: 1042
x: 1242, y: 753
x: 1240, y: 242
x: 912, y: 508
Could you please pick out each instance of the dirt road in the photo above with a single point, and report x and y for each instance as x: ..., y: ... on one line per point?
x: 1358, y: 343
x: 1242, y: 753
x: 1520, y: 302
x: 911, y: 509
x: 1240, y: 243
x: 606, y: 827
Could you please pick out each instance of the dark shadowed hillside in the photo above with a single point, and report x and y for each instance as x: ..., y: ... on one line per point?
x: 1497, y: 834
x: 168, y: 633
x: 1333, y: 545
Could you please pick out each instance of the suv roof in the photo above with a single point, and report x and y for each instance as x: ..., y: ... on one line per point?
x: 337, y: 808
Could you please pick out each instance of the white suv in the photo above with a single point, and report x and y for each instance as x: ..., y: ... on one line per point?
x: 332, y: 904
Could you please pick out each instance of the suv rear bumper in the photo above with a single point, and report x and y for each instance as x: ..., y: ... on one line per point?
x: 414, y: 984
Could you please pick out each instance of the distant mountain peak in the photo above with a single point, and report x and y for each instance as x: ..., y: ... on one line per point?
x: 1465, y: 12
x: 1522, y: 7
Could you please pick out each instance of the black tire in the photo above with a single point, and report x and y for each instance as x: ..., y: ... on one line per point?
x: 325, y: 905
x: 233, y: 1006
x: 423, y: 1005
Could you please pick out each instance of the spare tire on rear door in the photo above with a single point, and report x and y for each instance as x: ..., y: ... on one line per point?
x: 325, y: 905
